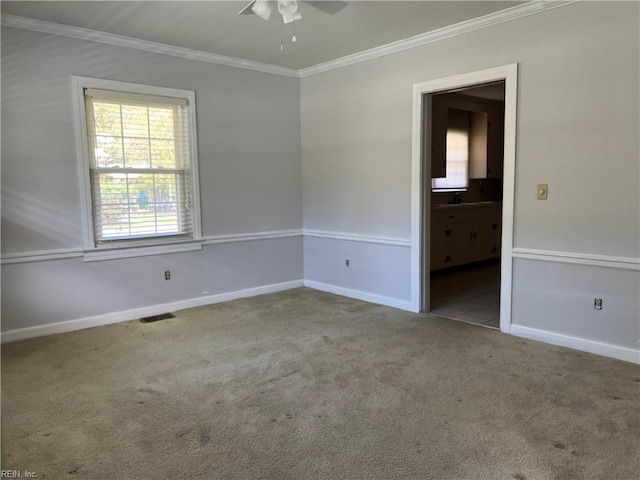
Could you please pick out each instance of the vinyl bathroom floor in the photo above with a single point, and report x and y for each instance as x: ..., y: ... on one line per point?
x: 470, y: 294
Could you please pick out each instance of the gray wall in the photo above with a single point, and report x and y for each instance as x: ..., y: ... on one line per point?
x: 41, y: 293
x: 558, y: 298
x: 249, y: 153
x: 578, y: 120
x: 373, y: 268
x: 577, y: 131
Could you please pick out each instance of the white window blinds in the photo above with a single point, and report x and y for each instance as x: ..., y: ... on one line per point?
x: 139, y: 166
x: 457, y: 153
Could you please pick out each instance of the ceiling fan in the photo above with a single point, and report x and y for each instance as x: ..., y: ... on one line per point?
x: 288, y: 8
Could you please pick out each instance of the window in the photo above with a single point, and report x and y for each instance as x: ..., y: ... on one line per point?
x: 457, y: 152
x: 139, y: 164
x: 457, y: 163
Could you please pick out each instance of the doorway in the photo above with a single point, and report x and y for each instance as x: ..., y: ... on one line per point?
x: 464, y: 179
x: 424, y: 216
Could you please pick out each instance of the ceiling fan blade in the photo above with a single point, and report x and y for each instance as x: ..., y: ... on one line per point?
x: 329, y: 7
x: 247, y: 10
x: 263, y: 8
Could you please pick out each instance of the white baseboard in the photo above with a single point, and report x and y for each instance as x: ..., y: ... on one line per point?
x: 599, y: 348
x: 133, y: 314
x: 360, y: 295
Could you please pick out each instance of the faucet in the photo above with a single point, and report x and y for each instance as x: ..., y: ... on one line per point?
x: 457, y: 198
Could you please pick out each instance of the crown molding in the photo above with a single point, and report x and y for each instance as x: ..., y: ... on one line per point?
x: 506, y: 15
x: 138, y: 44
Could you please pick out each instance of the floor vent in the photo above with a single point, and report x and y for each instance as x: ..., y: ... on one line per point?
x: 155, y: 318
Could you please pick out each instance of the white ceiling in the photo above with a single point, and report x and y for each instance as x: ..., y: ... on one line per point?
x: 215, y: 27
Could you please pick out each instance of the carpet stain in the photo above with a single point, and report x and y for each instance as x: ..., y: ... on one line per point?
x: 149, y: 390
x: 519, y: 476
x: 560, y: 446
x: 74, y: 471
x: 397, y: 364
x: 205, y: 436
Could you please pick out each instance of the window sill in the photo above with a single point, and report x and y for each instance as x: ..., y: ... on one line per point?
x: 449, y: 190
x: 99, y: 254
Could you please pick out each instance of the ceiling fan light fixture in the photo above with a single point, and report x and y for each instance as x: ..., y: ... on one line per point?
x: 289, y: 10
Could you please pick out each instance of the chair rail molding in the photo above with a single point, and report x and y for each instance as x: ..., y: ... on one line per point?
x: 626, y: 263
x: 65, y: 253
x: 357, y: 237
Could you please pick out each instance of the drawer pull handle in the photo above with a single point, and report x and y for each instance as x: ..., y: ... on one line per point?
x: 447, y: 233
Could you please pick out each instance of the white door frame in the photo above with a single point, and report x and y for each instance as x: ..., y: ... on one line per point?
x: 421, y: 203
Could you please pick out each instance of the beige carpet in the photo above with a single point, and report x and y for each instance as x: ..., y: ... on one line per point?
x: 308, y: 385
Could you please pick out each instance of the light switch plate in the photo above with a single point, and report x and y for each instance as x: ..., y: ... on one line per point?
x: 543, y: 189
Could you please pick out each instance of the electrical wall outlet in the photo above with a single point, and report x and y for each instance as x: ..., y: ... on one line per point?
x: 167, y: 274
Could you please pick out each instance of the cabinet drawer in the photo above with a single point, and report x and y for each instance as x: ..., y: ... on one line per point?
x: 451, y: 215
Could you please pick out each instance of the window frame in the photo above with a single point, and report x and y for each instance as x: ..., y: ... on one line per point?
x: 135, y: 246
